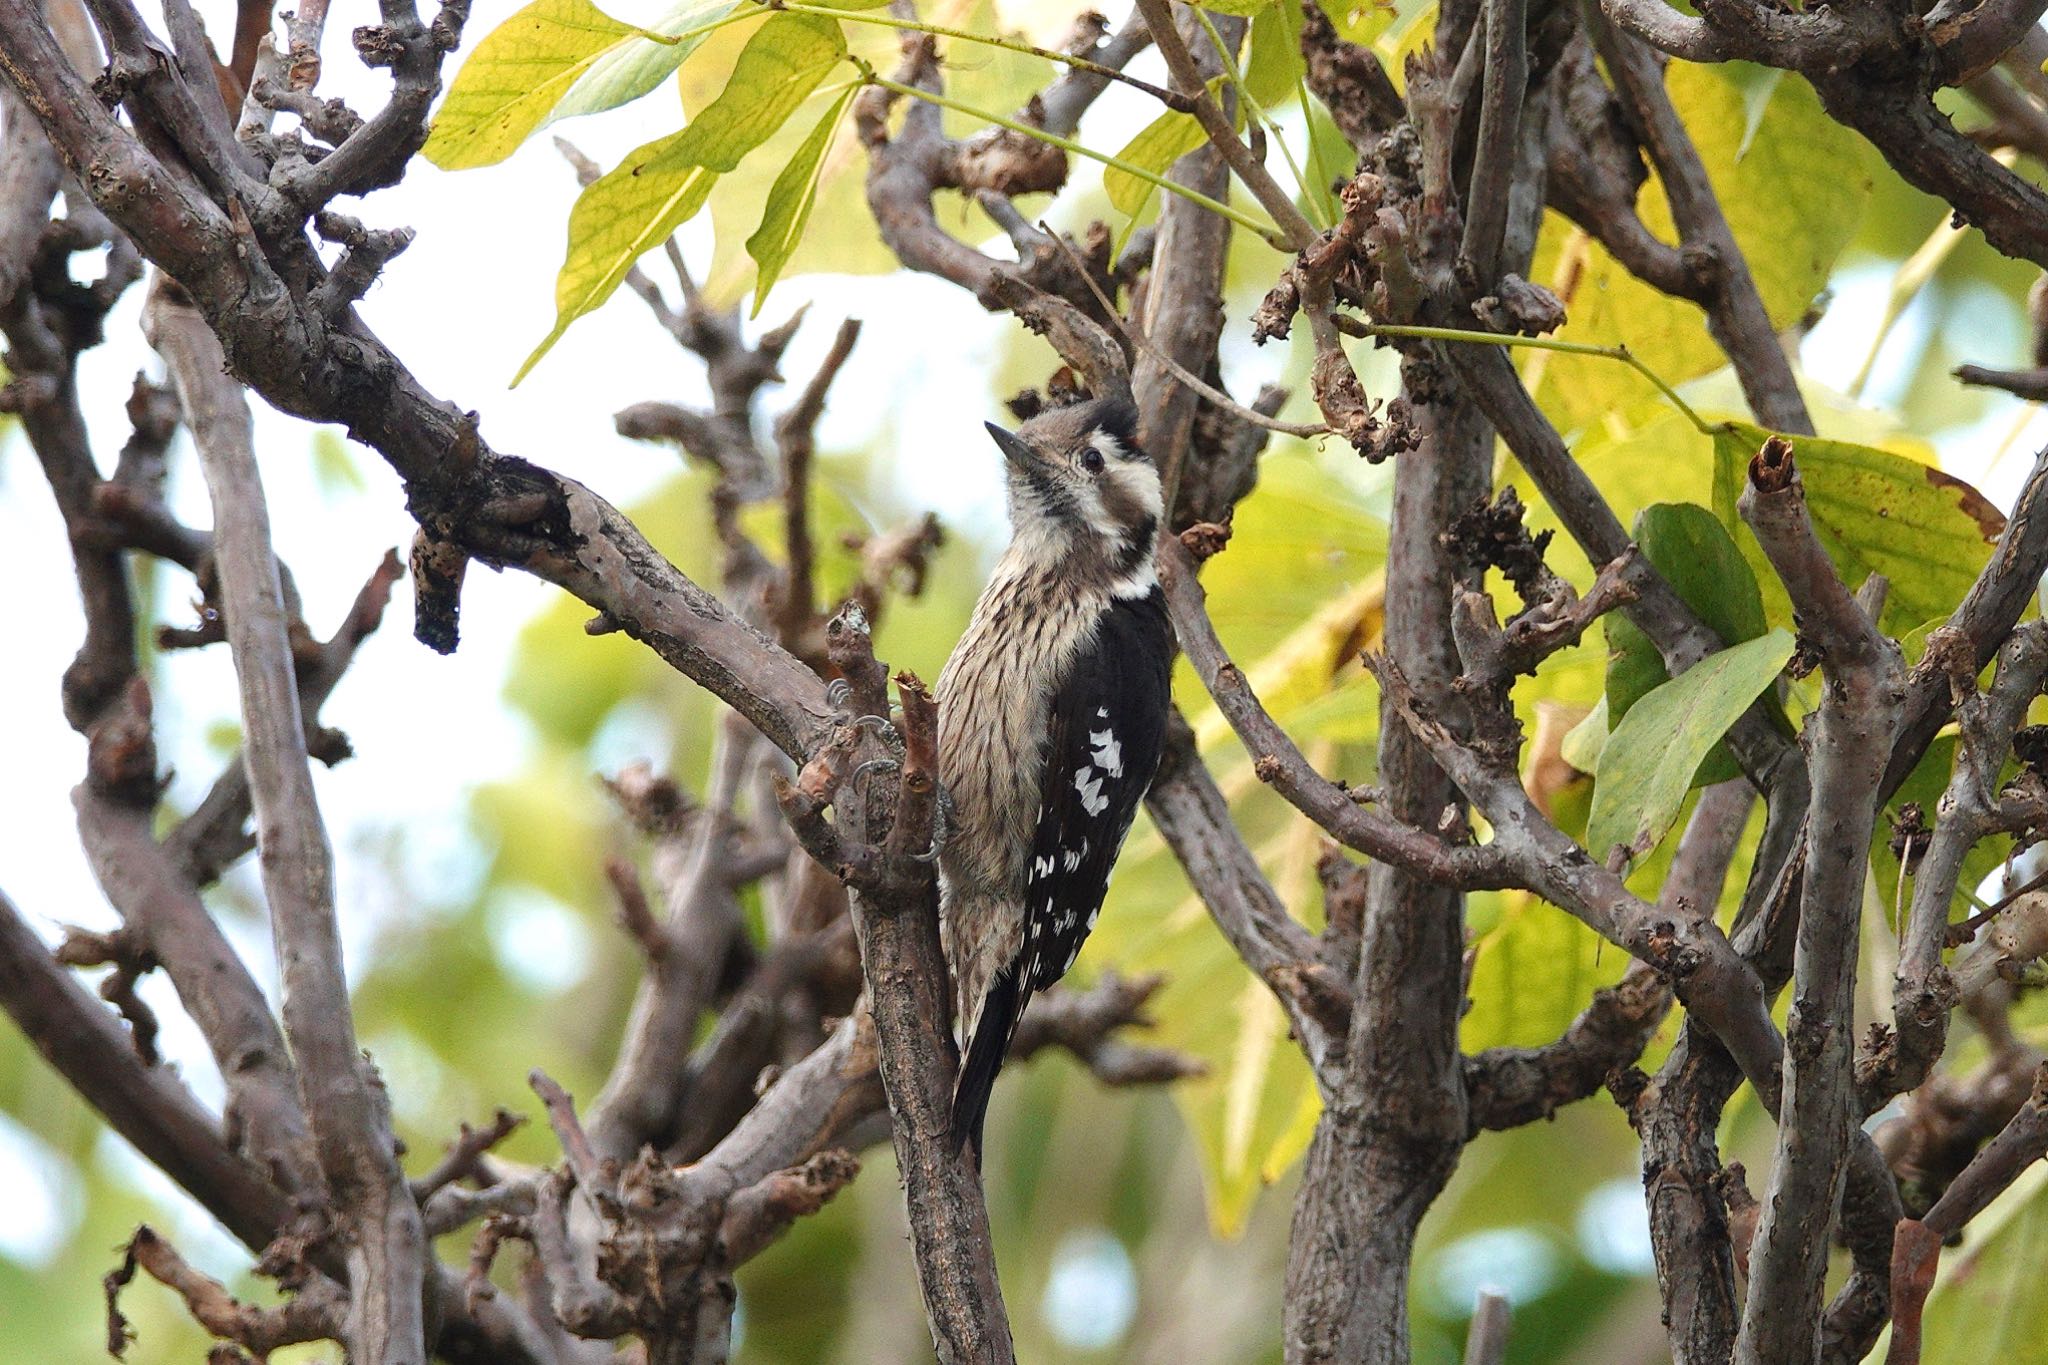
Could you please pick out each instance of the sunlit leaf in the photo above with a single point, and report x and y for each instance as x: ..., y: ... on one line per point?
x: 1793, y: 201
x: 661, y: 185
x: 1272, y: 62
x: 1873, y: 511
x: 1651, y: 755
x: 334, y: 466
x: 984, y: 77
x: 516, y: 76
x: 790, y: 201
x: 1157, y: 146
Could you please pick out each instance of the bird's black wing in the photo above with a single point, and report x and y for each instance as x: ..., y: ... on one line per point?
x: 1107, y: 727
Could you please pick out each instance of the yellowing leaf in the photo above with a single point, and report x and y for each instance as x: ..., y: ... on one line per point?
x: 1793, y: 200
x: 1157, y: 146
x: 1360, y: 21
x: 1873, y: 511
x: 635, y: 207
x: 983, y: 77
x: 789, y: 203
x: 617, y: 220
x: 1649, y: 760
x: 515, y: 77
x: 781, y: 64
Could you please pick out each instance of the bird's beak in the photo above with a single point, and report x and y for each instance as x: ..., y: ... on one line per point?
x: 1014, y: 449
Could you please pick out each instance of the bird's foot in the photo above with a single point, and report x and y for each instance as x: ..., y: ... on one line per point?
x: 942, y: 826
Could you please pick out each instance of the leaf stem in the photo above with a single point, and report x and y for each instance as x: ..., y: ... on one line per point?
x: 697, y: 30
x: 1180, y: 103
x: 1266, y: 231
x: 1258, y: 112
x: 1321, y: 168
x: 1616, y: 352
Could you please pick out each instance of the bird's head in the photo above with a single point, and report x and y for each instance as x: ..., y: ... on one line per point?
x: 1079, y: 481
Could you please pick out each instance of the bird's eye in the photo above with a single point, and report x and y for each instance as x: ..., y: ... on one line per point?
x: 1091, y: 460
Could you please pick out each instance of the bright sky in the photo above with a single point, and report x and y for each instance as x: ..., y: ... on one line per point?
x: 463, y: 307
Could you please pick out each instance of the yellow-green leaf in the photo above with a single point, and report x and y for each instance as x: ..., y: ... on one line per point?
x: 617, y: 220
x: 780, y: 66
x: 1650, y: 757
x: 658, y: 188
x: 1873, y: 511
x: 1792, y: 198
x: 1360, y: 21
x: 1273, y: 62
x: 789, y: 203
x: 516, y: 76
x: 1157, y: 146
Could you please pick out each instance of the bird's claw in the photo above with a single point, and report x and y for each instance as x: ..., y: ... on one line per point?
x: 942, y: 826
x: 837, y: 692
x: 885, y: 764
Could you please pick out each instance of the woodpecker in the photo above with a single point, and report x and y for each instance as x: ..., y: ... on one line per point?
x: 1052, y: 712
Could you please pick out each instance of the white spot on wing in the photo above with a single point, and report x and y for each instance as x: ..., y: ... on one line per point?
x: 1090, y: 788
x: 1109, y: 754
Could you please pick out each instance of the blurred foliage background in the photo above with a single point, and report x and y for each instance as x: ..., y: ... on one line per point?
x: 1141, y: 1227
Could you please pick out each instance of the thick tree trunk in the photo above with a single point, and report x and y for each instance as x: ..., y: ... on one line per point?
x: 1390, y: 1137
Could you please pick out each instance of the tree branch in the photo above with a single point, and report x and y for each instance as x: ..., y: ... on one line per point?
x: 351, y: 1126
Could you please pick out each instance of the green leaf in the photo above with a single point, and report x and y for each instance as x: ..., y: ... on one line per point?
x: 625, y: 72
x: 1273, y: 64
x: 1650, y: 758
x: 1695, y: 554
x: 517, y: 74
x: 1157, y: 146
x: 790, y: 201
x: 658, y: 188
x: 1244, y: 9
x: 1873, y: 511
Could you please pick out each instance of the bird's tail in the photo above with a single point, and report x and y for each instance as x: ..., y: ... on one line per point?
x: 987, y: 1045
